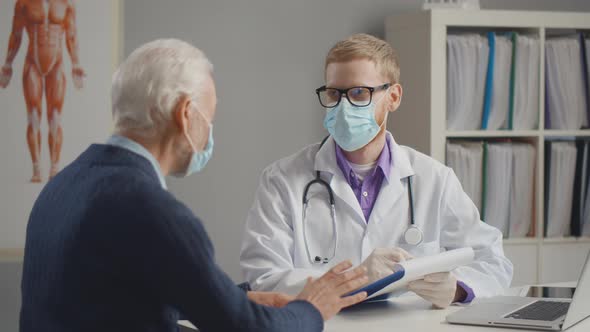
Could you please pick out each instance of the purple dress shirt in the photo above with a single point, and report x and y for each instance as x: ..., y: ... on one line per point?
x: 366, y: 191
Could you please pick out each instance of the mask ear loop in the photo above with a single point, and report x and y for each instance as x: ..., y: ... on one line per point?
x: 386, y: 113
x: 190, y: 141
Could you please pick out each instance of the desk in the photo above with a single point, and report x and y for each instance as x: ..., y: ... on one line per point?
x: 410, y: 313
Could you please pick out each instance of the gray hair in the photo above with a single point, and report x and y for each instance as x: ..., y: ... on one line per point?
x: 149, y: 83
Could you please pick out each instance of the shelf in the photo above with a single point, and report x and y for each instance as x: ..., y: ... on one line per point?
x: 565, y: 133
x: 516, y: 133
x: 535, y: 240
x: 492, y: 133
x: 524, y: 240
x: 561, y: 240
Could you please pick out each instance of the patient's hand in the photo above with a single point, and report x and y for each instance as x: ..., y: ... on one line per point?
x: 271, y: 299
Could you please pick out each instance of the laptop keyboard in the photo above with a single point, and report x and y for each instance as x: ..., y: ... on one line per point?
x: 542, y: 310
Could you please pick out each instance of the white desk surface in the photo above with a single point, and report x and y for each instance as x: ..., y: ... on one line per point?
x: 408, y: 313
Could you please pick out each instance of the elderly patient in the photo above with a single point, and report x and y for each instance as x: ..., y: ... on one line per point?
x: 108, y: 248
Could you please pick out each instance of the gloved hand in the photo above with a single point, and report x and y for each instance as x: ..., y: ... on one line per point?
x: 380, y: 262
x: 438, y: 288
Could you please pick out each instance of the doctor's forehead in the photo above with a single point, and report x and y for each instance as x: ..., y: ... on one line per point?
x: 358, y: 72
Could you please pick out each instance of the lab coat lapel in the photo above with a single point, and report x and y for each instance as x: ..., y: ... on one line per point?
x: 396, y: 188
x: 325, y: 161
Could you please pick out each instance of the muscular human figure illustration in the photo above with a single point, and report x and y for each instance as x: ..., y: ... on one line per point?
x: 47, y: 23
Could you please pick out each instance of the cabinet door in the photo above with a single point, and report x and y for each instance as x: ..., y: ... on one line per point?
x: 524, y: 259
x: 562, y: 262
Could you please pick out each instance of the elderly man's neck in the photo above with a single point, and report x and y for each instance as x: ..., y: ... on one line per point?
x: 160, y: 148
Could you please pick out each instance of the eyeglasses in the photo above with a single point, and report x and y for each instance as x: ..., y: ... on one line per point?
x: 359, y: 96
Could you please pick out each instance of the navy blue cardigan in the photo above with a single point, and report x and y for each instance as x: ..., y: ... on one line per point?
x: 108, y: 249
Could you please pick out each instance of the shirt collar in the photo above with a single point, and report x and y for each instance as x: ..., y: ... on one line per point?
x: 384, y: 162
x: 130, y: 145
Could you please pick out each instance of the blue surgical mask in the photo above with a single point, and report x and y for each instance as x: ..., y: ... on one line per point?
x: 199, y: 158
x: 352, y: 127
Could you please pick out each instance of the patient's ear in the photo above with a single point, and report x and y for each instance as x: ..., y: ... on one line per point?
x: 181, y: 114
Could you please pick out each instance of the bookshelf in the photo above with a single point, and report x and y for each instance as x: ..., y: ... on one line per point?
x: 420, y: 41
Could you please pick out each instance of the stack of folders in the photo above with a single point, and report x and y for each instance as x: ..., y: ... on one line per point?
x: 567, y: 199
x: 566, y: 83
x: 525, y: 83
x: 492, y: 81
x: 466, y: 159
x: 499, y: 178
x: 467, y: 57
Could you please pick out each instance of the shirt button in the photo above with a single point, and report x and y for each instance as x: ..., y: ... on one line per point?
x: 365, y: 193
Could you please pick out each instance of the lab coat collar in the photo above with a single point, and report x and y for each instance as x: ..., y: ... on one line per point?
x: 325, y: 159
x: 390, y: 192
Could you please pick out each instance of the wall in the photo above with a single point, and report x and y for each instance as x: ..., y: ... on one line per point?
x: 268, y: 57
x: 86, y: 118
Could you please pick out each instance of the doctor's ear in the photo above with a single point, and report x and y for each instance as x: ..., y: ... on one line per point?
x: 395, y: 97
x: 182, y: 112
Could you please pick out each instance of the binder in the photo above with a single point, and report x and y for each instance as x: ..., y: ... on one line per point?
x: 524, y: 113
x: 467, y: 60
x: 522, y: 190
x: 560, y: 167
x: 586, y: 71
x: 487, y: 104
x: 498, y: 186
x: 585, y: 222
x: 498, y: 83
x: 566, y: 104
x: 579, y: 188
x: 465, y: 158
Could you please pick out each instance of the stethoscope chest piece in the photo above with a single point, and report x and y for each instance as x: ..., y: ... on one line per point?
x: 413, y: 235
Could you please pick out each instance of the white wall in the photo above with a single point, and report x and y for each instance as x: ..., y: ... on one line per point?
x: 268, y: 57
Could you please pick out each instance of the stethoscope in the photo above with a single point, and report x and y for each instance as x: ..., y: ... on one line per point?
x: 413, y: 235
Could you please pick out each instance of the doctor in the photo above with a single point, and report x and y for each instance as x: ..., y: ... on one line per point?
x: 391, y: 203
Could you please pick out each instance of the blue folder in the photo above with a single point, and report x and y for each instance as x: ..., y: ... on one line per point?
x: 489, y: 89
x: 380, y: 284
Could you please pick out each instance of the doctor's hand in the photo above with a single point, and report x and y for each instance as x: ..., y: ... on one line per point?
x: 438, y: 288
x: 327, y: 292
x: 271, y: 299
x: 380, y: 262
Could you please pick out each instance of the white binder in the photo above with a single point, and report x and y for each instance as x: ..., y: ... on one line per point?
x: 467, y: 60
x: 526, y: 83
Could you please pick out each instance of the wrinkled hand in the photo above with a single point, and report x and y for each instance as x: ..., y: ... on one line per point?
x: 326, y: 292
x: 78, y: 75
x: 271, y: 299
x: 380, y: 262
x: 438, y: 288
x: 5, y: 76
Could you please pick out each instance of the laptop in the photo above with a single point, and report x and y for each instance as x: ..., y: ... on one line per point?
x: 537, y: 313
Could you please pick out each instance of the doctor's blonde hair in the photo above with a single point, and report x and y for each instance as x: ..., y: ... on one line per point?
x: 364, y: 46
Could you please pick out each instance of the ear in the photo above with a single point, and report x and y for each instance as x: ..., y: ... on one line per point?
x: 395, y: 96
x: 181, y: 113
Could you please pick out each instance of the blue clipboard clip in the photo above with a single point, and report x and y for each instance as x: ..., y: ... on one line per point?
x: 378, y: 285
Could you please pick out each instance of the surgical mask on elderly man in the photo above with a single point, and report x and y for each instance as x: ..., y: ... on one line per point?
x: 352, y: 127
x: 199, y: 159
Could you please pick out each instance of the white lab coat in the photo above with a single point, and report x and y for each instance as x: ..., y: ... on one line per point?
x: 274, y: 256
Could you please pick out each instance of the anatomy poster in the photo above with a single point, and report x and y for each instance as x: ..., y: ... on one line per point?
x: 56, y: 62
x: 50, y: 26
